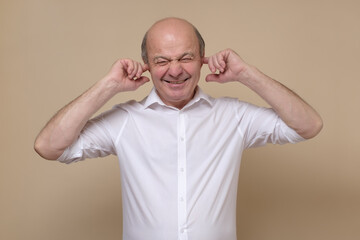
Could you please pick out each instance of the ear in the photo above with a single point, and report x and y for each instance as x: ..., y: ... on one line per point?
x: 203, y: 59
x: 146, y: 67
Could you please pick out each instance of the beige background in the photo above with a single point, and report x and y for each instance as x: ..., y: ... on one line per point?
x: 52, y: 50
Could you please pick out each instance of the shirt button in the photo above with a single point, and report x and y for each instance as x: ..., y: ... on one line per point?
x: 182, y: 139
x: 181, y: 199
x: 182, y: 169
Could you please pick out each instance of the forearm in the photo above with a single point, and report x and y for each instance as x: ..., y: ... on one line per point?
x: 64, y: 128
x: 293, y: 110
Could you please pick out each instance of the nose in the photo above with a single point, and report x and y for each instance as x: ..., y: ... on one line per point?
x: 175, y: 69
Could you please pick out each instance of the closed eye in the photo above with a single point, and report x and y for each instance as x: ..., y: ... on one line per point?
x: 161, y: 62
x: 186, y: 59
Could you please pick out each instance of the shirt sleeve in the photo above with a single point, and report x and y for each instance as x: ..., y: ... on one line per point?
x: 97, y: 137
x: 261, y: 125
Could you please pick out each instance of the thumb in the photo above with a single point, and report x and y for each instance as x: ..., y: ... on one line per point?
x: 212, y: 78
x: 141, y: 81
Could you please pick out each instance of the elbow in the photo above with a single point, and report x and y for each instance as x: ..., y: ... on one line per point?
x: 44, y: 151
x: 313, y: 129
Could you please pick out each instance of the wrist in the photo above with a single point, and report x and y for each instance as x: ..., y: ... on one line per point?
x: 254, y: 79
x: 107, y: 87
x: 248, y: 75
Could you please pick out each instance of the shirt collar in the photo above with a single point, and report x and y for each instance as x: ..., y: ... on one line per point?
x: 153, y: 98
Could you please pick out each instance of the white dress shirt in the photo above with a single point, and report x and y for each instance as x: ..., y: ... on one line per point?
x: 179, y: 168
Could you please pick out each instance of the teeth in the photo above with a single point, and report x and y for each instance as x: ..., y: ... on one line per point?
x: 176, y: 82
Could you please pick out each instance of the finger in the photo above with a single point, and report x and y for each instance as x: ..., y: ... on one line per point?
x: 205, y: 60
x: 128, y: 67
x: 216, y: 63
x: 220, y: 59
x: 211, y: 64
x: 145, y: 67
x: 134, y: 71
x: 138, y: 70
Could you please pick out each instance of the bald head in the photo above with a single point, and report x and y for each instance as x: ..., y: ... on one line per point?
x: 169, y: 26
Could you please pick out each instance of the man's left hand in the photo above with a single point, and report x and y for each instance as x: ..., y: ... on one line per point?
x: 227, y: 66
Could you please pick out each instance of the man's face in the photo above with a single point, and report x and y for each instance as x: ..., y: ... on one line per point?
x: 174, y: 62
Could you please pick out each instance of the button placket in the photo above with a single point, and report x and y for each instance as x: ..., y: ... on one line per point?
x: 182, y: 213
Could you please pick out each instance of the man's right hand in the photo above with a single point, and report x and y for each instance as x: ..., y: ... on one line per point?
x: 126, y: 75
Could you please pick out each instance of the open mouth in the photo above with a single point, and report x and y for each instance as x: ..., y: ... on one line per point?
x: 176, y: 82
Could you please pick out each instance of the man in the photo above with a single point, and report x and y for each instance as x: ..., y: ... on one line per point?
x: 179, y: 149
